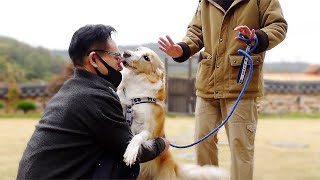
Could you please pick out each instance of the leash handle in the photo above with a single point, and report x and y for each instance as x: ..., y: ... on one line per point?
x: 249, y: 49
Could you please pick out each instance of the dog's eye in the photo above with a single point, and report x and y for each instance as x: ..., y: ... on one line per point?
x: 146, y: 58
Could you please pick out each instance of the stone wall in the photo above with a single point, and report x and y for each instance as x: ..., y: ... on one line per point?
x: 36, y: 93
x: 284, y: 103
x: 290, y: 96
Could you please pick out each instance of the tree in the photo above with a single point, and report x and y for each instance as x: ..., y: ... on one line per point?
x: 10, y: 75
x: 36, y: 63
x: 26, y: 106
x: 2, y: 104
x: 56, y: 83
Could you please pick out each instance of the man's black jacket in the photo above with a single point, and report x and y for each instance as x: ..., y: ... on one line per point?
x: 82, y: 132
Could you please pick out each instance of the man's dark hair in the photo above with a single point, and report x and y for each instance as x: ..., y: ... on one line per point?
x: 86, y: 38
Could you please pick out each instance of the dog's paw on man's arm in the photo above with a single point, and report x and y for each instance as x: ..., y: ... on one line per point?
x: 152, y: 149
x: 145, y: 152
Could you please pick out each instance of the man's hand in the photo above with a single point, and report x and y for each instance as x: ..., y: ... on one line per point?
x: 169, y: 47
x: 244, y: 30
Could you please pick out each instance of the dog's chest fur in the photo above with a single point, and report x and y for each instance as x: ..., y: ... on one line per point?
x: 137, y: 86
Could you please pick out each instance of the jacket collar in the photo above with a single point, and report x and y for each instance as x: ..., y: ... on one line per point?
x: 219, y: 3
x: 92, y: 77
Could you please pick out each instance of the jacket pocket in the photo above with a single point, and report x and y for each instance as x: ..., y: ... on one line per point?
x: 203, y: 72
x: 255, y: 83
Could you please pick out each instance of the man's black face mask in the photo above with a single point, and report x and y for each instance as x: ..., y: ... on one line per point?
x: 114, y: 76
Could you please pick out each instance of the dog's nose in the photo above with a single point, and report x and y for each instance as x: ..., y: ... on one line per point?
x: 126, y: 54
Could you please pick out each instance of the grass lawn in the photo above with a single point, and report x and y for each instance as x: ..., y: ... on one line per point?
x: 285, y: 149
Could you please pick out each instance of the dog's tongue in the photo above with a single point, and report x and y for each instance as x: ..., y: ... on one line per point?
x: 120, y: 60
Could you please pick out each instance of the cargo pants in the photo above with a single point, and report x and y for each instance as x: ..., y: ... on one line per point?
x: 240, y: 129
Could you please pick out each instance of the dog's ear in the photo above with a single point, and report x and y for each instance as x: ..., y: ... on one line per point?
x: 153, y: 78
x: 159, y: 73
x: 158, y: 68
x: 156, y: 76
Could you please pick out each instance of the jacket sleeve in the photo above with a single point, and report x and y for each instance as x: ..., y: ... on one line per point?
x: 186, y: 53
x: 194, y: 36
x: 272, y: 22
x: 148, y: 153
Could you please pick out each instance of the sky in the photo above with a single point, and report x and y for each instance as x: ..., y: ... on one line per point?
x: 51, y: 24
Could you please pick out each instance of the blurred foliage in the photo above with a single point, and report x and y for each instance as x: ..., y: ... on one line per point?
x: 2, y: 104
x: 34, y: 64
x: 57, y: 81
x: 14, y: 92
x: 26, y: 106
x: 25, y: 63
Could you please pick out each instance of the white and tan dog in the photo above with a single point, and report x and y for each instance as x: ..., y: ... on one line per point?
x: 142, y: 94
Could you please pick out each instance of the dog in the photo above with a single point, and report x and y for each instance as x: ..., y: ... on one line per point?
x: 142, y: 93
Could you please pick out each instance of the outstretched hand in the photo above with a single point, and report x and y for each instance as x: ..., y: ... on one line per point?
x: 169, y: 47
x: 245, y: 30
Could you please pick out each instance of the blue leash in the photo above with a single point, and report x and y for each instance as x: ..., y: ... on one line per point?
x: 243, y: 67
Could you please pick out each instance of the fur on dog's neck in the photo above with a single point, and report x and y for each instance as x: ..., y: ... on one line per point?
x: 135, y: 85
x: 139, y: 86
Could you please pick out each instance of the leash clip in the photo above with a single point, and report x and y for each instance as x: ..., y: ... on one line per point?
x: 129, y: 115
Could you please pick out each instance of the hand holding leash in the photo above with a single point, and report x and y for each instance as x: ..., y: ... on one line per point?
x: 251, y: 40
x: 246, y: 34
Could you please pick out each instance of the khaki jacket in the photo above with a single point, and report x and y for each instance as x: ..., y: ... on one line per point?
x: 213, y: 29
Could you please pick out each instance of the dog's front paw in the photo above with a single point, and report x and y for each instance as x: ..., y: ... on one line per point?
x: 131, y: 153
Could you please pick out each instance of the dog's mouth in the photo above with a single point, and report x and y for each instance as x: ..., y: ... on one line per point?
x: 127, y: 65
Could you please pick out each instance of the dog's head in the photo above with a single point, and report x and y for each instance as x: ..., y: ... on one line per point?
x: 144, y: 61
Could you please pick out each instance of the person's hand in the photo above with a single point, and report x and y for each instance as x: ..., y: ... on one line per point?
x: 245, y: 30
x: 167, y: 144
x: 169, y: 47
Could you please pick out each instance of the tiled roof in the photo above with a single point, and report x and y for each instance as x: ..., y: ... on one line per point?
x: 3, y: 91
x: 313, y: 69
x: 304, y: 87
x: 27, y: 90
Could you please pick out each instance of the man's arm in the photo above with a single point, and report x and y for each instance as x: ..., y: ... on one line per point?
x: 194, y: 36
x: 114, y: 133
x: 148, y: 153
x: 272, y: 22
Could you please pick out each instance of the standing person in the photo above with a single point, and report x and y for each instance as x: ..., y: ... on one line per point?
x: 83, y: 133
x: 214, y: 27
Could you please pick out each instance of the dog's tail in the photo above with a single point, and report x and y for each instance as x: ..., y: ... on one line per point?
x: 207, y: 172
